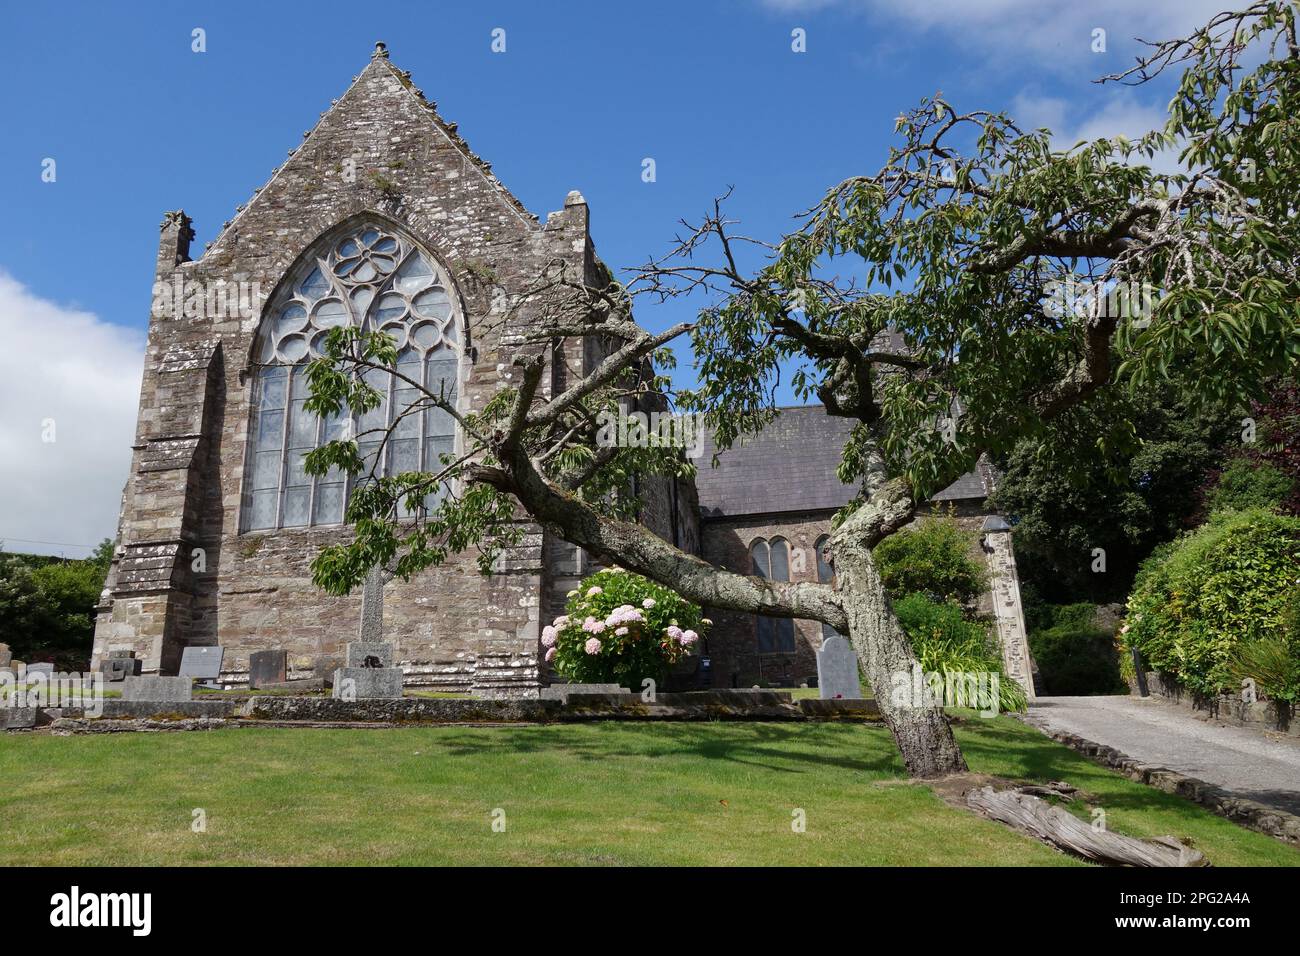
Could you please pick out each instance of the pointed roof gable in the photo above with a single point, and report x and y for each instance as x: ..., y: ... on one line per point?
x: 379, y: 69
x: 380, y: 59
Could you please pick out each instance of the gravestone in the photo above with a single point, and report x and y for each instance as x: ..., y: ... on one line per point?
x: 372, y: 605
x: 369, y: 673
x: 5, y: 656
x: 117, y: 669
x: 837, y: 670
x: 267, y: 667
x: 17, y: 718
x: 359, y: 652
x: 46, y: 669
x: 326, y: 665
x: 202, y: 663
x: 158, y: 688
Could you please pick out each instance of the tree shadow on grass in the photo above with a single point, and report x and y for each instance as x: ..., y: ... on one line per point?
x: 781, y: 748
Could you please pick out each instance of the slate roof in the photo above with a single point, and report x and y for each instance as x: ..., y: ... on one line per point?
x: 790, y: 466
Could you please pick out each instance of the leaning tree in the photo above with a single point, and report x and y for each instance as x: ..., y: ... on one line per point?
x: 951, y: 304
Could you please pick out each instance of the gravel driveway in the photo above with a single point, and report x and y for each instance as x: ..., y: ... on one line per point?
x: 1249, y: 763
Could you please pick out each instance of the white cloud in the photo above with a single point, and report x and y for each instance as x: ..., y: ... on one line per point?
x: 1121, y: 115
x: 1055, y: 33
x: 70, y: 366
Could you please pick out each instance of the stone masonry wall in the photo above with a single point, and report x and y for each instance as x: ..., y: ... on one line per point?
x: 381, y: 151
x: 733, y: 639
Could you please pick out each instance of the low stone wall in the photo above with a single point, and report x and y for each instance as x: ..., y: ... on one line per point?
x: 767, y: 705
x: 1261, y: 715
x: 398, y: 710
x: 116, y: 709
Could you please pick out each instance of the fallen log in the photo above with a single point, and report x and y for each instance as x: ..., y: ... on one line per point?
x: 1025, y: 812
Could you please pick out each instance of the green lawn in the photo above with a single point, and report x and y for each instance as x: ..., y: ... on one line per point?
x: 601, y: 793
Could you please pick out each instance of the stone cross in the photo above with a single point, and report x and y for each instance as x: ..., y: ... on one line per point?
x: 372, y: 604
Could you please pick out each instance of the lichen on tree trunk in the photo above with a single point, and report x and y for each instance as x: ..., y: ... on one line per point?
x: 922, y: 733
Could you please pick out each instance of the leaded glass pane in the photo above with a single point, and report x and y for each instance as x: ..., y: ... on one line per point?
x: 825, y: 573
x: 758, y: 551
x: 405, y: 402
x: 270, y: 428
x: 415, y: 274
x: 296, y: 473
x: 293, y: 348
x: 263, y: 509
x: 433, y: 304
x: 434, y: 449
x: 403, y: 456
x: 369, y: 451
x: 314, y: 286
x: 296, y: 502
x: 271, y: 387
x: 425, y: 335
x: 329, y: 503
x: 391, y: 306
x: 337, y: 428
x: 266, y: 469
x: 330, y: 313
x: 292, y: 319
x: 784, y: 635
x: 302, y: 426
x: 780, y: 560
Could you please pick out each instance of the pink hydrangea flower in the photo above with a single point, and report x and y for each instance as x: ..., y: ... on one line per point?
x: 624, y: 614
x: 674, y: 632
x: 648, y: 603
x: 548, y: 639
x: 621, y: 631
x: 593, y: 591
x: 561, y: 622
x: 688, y: 638
x: 550, y: 654
x: 592, y: 646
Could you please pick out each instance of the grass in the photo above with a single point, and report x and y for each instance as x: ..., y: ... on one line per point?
x: 599, y: 793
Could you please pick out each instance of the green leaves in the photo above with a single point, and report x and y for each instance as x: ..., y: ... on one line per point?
x: 1200, y: 604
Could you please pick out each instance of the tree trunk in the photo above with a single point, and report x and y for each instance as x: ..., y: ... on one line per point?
x: 922, y: 733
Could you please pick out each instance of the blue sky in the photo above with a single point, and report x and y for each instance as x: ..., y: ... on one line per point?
x: 138, y: 123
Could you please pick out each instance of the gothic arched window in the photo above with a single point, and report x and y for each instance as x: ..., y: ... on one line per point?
x: 771, y: 560
x: 825, y: 574
x: 371, y: 277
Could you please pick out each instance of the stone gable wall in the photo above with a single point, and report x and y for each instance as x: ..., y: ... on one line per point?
x: 412, y: 170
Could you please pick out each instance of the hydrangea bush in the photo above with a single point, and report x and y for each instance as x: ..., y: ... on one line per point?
x: 620, y: 628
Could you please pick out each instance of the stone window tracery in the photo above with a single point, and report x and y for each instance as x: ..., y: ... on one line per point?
x: 371, y: 277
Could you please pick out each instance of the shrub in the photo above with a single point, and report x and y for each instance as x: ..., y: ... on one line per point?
x: 932, y: 558
x: 47, y: 606
x: 1074, y: 655
x: 1273, y: 664
x: 1244, y: 485
x: 1077, y: 661
x: 1199, y: 600
x: 945, y: 641
x: 621, y: 628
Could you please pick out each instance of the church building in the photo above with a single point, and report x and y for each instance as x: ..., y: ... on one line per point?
x: 384, y: 218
